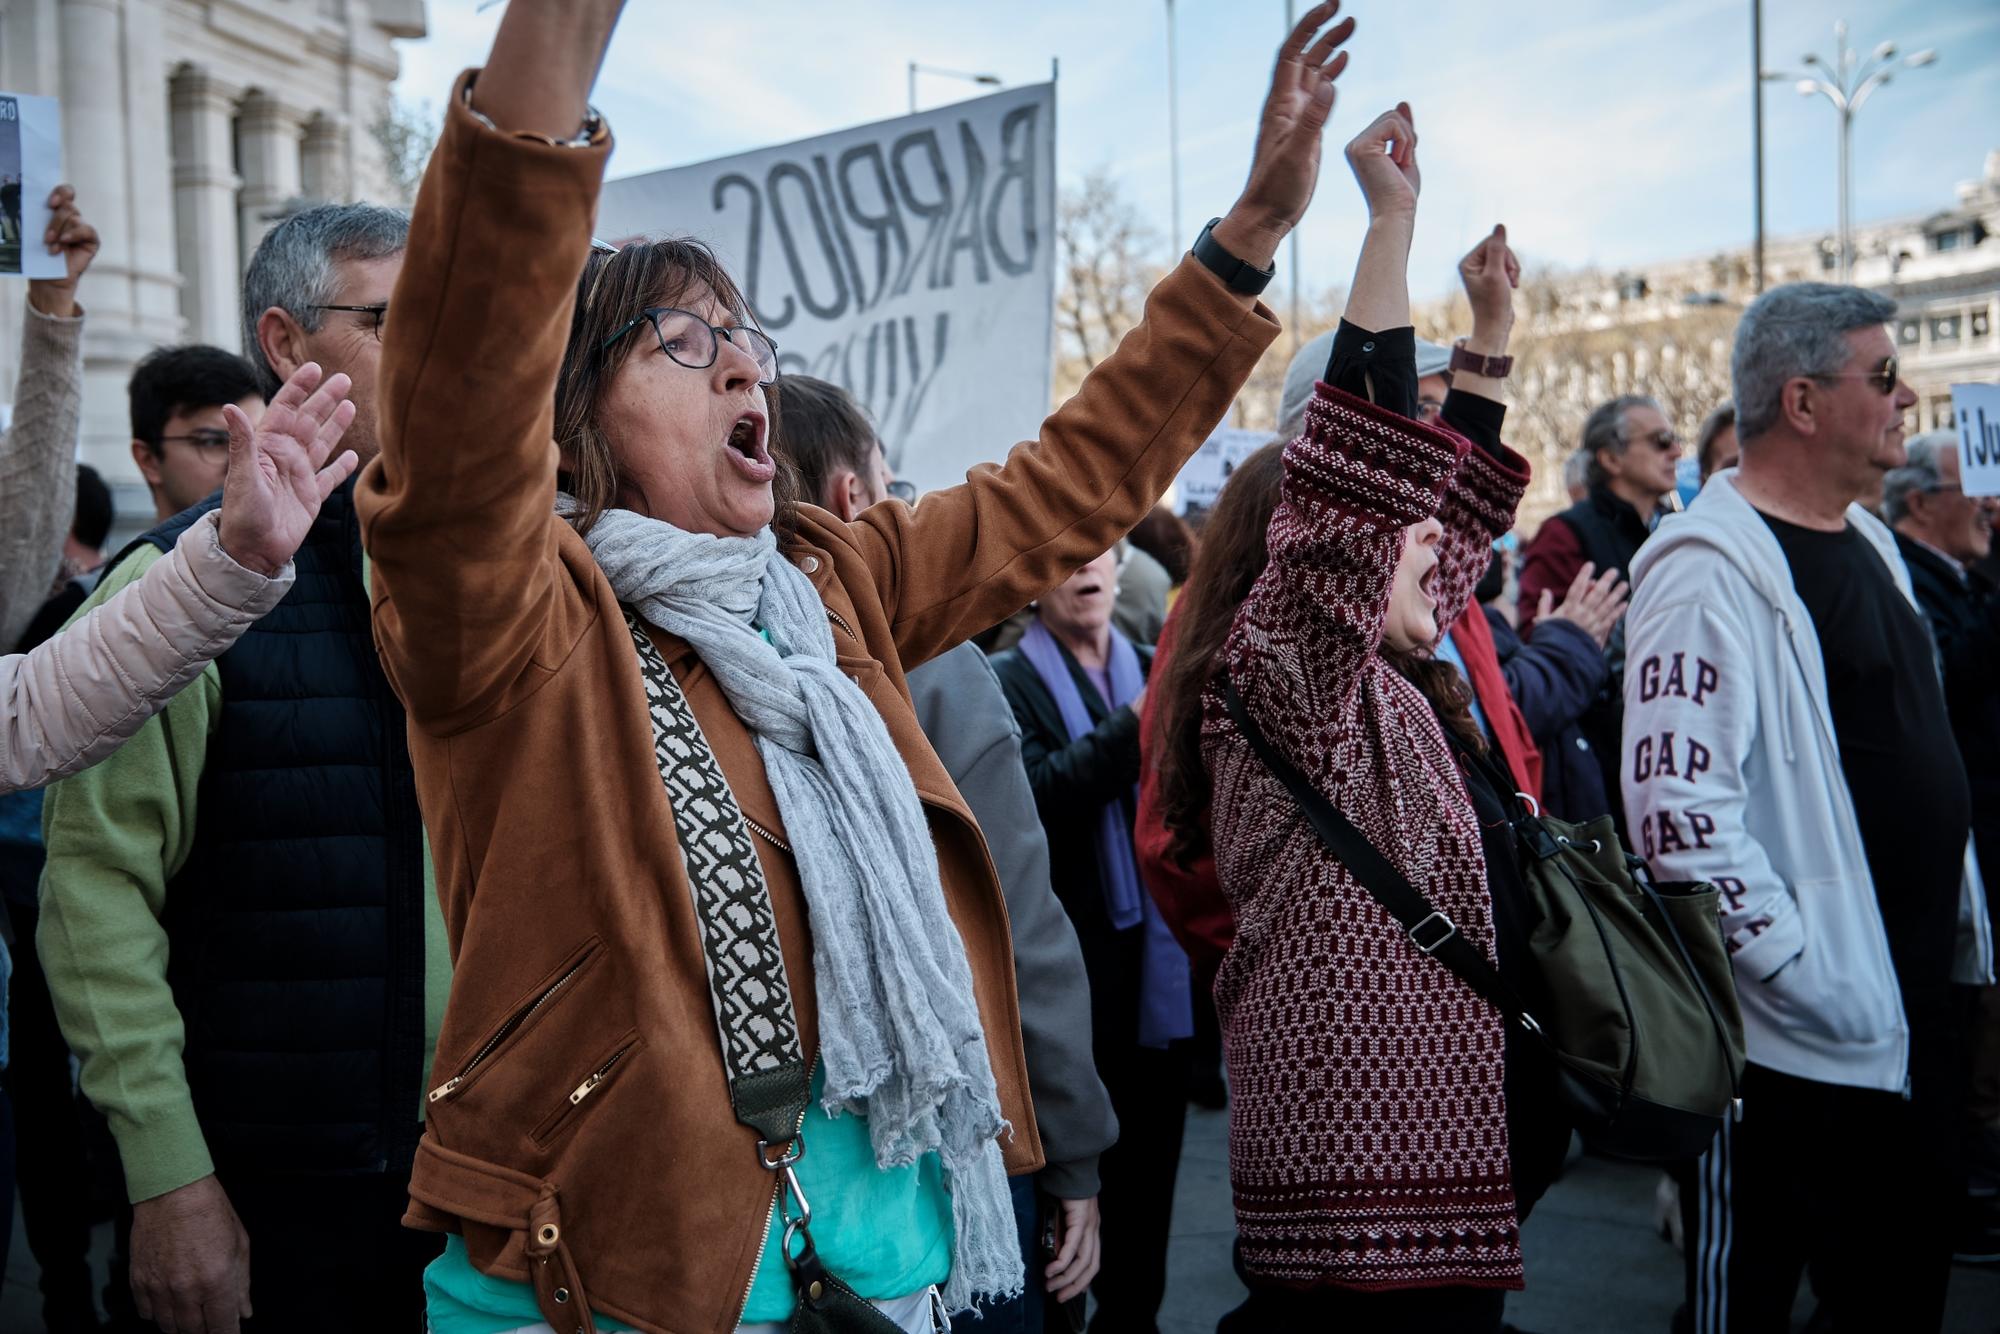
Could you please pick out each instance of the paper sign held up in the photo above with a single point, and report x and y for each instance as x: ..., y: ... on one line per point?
x: 1975, y: 411
x: 30, y: 167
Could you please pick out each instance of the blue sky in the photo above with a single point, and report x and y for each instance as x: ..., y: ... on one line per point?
x: 1600, y: 132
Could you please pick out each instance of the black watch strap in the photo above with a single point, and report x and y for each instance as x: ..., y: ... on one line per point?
x: 1235, y: 274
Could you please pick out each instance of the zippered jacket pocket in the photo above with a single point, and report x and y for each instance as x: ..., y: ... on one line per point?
x: 589, y: 1087
x: 559, y: 980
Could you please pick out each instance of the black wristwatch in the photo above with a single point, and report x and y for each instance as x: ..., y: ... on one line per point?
x: 1235, y: 274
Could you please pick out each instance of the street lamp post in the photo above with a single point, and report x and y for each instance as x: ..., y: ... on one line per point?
x: 1847, y: 81
x: 986, y: 80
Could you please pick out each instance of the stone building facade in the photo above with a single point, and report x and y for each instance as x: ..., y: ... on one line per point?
x: 189, y: 126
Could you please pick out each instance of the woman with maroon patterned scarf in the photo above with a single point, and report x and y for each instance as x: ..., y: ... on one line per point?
x: 1385, y: 1133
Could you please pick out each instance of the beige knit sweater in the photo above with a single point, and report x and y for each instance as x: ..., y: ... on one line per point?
x: 38, y: 468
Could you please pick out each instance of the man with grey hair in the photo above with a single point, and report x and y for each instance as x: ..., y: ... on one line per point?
x: 238, y: 924
x: 1943, y: 535
x: 1786, y: 739
x: 1629, y: 450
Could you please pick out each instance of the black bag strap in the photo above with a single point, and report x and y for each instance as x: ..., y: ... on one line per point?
x: 1427, y: 926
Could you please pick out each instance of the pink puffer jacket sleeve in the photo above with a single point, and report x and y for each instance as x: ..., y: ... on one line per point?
x: 70, y: 703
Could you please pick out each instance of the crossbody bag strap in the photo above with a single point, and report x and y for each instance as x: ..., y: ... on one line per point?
x: 1427, y: 926
x: 770, y: 1079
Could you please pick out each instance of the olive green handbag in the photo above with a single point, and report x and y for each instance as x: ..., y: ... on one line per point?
x: 1636, y: 1002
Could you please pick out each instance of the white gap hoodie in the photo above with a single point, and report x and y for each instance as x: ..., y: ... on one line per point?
x: 1731, y: 774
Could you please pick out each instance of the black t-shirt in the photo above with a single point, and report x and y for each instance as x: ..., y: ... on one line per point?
x: 1897, y: 750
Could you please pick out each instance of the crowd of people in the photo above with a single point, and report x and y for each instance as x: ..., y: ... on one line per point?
x: 546, y: 833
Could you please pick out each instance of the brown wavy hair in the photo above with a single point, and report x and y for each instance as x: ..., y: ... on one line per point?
x: 1232, y: 553
x: 676, y: 271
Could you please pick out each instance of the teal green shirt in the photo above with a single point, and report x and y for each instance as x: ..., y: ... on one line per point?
x: 886, y: 1234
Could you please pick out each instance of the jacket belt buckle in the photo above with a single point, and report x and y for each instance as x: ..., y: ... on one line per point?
x: 1433, y: 946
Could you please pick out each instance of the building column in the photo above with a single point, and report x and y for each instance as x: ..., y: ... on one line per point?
x: 114, y: 103
x: 205, y: 195
x: 325, y: 159
x: 268, y: 135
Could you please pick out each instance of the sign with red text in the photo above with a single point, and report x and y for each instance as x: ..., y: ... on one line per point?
x: 30, y: 167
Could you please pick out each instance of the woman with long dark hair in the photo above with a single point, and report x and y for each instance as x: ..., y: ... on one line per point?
x: 1384, y: 1138
x: 725, y: 938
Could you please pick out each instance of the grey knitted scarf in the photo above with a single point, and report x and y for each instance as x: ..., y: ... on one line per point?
x: 899, y: 1031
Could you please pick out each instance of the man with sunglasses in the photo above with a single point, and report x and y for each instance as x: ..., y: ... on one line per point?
x: 1631, y: 450
x: 1786, y: 739
x: 179, y: 440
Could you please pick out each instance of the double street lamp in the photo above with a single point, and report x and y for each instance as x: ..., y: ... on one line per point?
x: 1847, y: 81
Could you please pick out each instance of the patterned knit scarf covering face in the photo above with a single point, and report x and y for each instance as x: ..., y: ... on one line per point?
x: 899, y: 1031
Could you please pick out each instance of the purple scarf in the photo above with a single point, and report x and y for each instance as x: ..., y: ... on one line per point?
x: 1166, y: 1008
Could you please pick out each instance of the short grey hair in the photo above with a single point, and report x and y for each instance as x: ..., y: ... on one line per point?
x: 293, y: 267
x: 1799, y: 329
x: 1605, y: 429
x: 1920, y: 475
x: 1576, y: 470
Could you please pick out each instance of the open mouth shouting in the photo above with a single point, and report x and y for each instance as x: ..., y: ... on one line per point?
x: 748, y: 447
x: 1427, y: 584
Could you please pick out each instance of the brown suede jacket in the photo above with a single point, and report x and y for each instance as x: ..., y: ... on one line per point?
x: 573, y: 934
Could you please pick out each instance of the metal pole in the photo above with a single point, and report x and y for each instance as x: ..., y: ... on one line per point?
x: 1297, y: 326
x: 1757, y: 132
x: 913, y: 87
x: 1174, y: 128
x: 1846, y: 243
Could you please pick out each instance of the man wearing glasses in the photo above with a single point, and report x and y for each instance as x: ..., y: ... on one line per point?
x: 238, y: 920
x: 1786, y: 739
x: 179, y: 441
x: 1631, y: 451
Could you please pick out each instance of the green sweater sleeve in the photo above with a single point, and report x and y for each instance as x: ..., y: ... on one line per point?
x: 116, y: 833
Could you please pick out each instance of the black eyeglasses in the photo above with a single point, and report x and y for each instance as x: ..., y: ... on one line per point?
x: 209, y: 442
x: 1662, y: 440
x: 379, y: 311
x: 690, y: 340
x: 1884, y: 378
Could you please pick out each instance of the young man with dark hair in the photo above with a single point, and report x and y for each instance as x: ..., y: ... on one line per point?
x: 827, y: 436
x: 179, y: 441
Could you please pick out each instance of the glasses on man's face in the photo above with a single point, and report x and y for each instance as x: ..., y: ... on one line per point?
x: 376, y: 314
x: 210, y: 444
x: 903, y: 491
x: 690, y: 340
x: 1662, y: 440
x: 1429, y: 409
x: 1884, y: 377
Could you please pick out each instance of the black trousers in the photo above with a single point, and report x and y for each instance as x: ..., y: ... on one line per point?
x: 1148, y: 1091
x: 330, y: 1255
x: 1855, y: 1183
x: 1278, y: 1310
x: 52, y: 1165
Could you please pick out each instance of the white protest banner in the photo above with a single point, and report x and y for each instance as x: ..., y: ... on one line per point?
x: 909, y: 261
x: 30, y: 167
x: 1202, y: 476
x: 1976, y: 409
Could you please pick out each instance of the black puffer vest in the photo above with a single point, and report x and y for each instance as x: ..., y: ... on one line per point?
x: 296, y: 926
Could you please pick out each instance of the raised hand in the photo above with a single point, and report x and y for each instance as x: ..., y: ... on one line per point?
x: 278, y: 473
x: 1285, y: 168
x: 1490, y: 274
x: 1593, y: 605
x: 76, y: 241
x: 1384, y: 160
